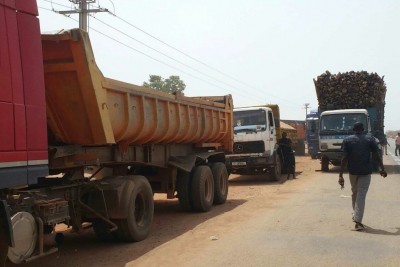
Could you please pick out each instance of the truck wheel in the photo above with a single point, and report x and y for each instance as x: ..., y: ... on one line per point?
x: 3, y: 245
x: 136, y: 226
x: 325, y: 164
x: 276, y: 171
x: 220, y: 175
x: 202, y: 188
x: 183, y: 190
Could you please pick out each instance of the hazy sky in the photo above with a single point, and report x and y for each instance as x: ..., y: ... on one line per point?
x: 260, y: 51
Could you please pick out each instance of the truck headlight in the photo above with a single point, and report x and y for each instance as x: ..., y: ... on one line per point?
x: 324, y: 146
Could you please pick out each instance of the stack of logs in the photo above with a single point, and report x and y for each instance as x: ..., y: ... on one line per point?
x: 350, y: 90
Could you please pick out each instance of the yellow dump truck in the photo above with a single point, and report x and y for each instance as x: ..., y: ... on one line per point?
x: 111, y: 146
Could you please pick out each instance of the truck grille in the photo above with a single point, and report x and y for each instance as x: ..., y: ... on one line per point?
x: 248, y: 147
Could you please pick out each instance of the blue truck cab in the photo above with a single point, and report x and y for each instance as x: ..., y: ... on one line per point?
x: 312, y: 125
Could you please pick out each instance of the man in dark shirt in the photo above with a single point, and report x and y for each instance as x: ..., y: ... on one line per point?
x: 357, y: 151
x: 285, y: 145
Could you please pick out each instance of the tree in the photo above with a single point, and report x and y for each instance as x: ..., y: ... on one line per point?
x: 171, y: 85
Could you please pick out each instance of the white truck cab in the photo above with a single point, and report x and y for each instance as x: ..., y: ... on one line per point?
x: 335, y: 125
x: 255, y: 143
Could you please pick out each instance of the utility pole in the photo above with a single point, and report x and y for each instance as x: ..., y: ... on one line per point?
x: 306, y: 105
x: 83, y: 11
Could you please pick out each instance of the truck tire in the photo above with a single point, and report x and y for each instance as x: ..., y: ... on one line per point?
x: 136, y: 226
x: 325, y: 164
x: 336, y: 163
x: 5, y: 236
x: 202, y: 188
x: 102, y: 230
x: 183, y: 190
x: 275, y: 173
x: 220, y: 175
x: 3, y: 245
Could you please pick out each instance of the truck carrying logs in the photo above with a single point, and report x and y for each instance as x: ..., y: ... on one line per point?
x: 343, y: 99
x: 350, y: 90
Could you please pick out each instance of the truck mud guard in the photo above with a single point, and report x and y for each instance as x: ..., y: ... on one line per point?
x: 5, y: 223
x: 186, y: 163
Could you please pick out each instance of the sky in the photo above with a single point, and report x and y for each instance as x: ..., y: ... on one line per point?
x: 259, y: 51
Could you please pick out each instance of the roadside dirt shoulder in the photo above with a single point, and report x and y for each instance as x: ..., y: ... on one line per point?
x: 248, y: 197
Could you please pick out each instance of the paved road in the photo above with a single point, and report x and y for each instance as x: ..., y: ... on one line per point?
x: 302, y: 222
x: 310, y: 226
x: 391, y: 147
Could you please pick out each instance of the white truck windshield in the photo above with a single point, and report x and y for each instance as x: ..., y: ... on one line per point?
x: 249, y: 120
x: 342, y: 122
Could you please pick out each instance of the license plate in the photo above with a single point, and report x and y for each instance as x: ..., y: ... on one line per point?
x: 239, y: 163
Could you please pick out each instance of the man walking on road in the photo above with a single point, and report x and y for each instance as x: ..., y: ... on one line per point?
x: 384, y: 145
x: 357, y: 151
x: 397, y: 141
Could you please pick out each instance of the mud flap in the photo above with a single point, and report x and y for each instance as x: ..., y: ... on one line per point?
x: 5, y: 223
x: 6, y: 233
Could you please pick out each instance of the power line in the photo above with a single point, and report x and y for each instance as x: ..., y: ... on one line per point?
x: 162, y: 62
x: 84, y: 10
x: 155, y: 59
x: 178, y: 61
x: 185, y: 54
x: 142, y: 43
x: 202, y: 63
x: 54, y: 3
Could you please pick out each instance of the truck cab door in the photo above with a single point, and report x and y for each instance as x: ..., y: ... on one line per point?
x: 271, y: 133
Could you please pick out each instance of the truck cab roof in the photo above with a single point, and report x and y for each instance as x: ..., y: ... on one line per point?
x: 251, y: 108
x: 339, y: 111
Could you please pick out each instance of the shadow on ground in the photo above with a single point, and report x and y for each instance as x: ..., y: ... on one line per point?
x: 169, y: 222
x: 371, y: 230
x: 258, y: 180
x: 390, y: 169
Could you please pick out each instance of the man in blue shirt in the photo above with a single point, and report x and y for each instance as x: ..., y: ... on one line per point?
x: 357, y: 150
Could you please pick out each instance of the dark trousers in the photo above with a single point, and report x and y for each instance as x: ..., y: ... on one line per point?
x: 288, y: 162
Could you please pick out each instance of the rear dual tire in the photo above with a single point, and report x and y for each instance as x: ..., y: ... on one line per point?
x: 139, y: 217
x: 221, y: 176
x: 203, y: 187
x: 136, y: 226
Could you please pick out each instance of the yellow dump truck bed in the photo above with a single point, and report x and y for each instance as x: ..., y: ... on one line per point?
x: 291, y: 133
x: 283, y: 127
x: 86, y: 108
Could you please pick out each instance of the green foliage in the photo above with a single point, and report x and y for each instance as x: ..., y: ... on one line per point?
x: 171, y: 85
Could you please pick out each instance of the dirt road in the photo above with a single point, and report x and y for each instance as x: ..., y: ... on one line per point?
x: 302, y: 222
